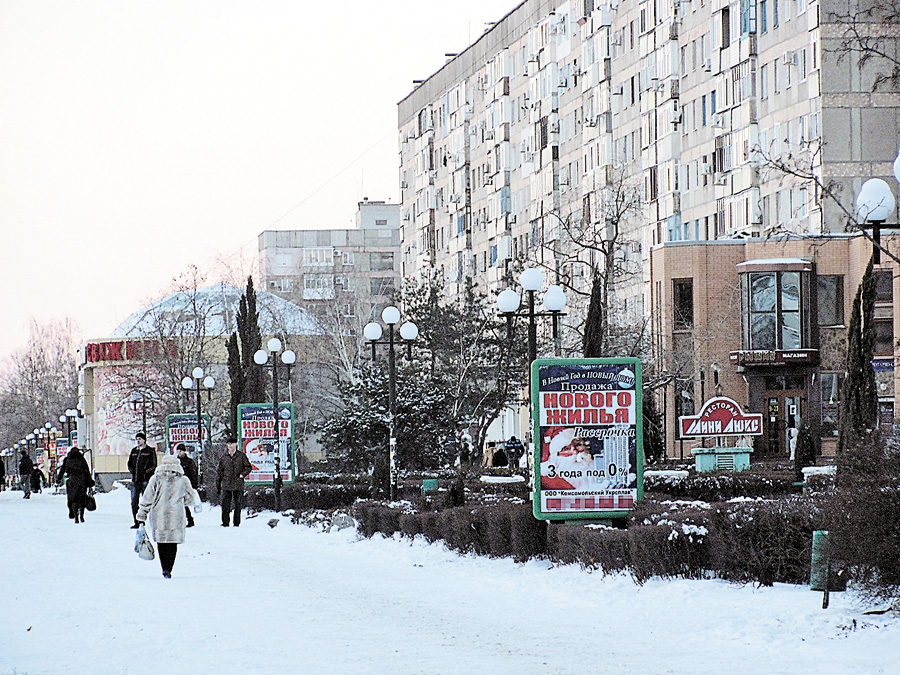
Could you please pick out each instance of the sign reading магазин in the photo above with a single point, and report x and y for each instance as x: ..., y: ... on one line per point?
x: 721, y: 416
x: 588, y: 442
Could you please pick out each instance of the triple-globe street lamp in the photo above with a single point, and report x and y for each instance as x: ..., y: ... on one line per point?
x: 288, y: 358
x: 554, y: 302
x: 373, y: 333
x: 194, y: 382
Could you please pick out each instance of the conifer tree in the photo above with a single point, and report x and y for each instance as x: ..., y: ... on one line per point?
x: 247, y: 379
x: 859, y: 396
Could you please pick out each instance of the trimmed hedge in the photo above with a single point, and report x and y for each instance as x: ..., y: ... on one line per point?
x: 749, y: 541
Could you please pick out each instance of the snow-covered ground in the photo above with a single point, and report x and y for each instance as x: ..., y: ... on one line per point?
x: 77, y: 599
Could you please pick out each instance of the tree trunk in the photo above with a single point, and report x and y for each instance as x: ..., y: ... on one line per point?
x: 594, y: 337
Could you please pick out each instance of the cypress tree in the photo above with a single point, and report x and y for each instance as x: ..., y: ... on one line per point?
x: 859, y: 396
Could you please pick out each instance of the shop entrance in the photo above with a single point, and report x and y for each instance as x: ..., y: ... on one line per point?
x: 785, y: 405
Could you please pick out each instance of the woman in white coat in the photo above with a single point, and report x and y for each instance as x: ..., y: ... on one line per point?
x: 165, y: 498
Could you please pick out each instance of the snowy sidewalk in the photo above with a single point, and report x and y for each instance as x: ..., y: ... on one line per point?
x: 77, y: 599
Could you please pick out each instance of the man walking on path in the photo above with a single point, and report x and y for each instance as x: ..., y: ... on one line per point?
x: 141, y: 464
x: 26, y: 466
x: 234, y: 467
x: 190, y: 470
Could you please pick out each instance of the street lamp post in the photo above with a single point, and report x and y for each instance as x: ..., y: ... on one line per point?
x: 140, y: 402
x: 554, y: 301
x: 874, y: 205
x: 68, y: 418
x: 194, y: 382
x: 288, y: 358
x: 409, y: 332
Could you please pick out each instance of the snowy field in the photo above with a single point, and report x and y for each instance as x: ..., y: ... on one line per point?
x: 289, y: 599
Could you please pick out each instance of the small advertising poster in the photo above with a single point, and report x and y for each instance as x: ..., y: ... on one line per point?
x: 182, y: 428
x: 588, y: 441
x: 256, y: 437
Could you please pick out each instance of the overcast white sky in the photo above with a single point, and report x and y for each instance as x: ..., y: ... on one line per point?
x: 138, y: 137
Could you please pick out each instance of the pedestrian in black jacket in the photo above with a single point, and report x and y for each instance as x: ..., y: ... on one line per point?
x: 38, y: 480
x: 141, y: 464
x: 234, y: 467
x: 76, y: 468
x: 190, y: 470
x: 26, y: 466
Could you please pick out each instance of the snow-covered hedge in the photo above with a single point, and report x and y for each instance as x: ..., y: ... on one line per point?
x: 743, y: 540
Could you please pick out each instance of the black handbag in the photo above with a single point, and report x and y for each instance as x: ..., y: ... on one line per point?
x: 89, y: 502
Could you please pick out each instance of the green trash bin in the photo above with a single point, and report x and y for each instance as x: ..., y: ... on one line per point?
x: 824, y: 574
x: 429, y: 485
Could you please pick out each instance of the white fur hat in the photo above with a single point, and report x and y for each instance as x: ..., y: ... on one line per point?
x: 170, y: 459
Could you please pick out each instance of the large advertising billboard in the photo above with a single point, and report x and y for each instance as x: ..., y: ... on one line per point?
x: 256, y: 438
x: 182, y: 428
x: 588, y: 441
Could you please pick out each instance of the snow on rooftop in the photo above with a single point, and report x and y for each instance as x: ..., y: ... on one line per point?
x: 218, y: 305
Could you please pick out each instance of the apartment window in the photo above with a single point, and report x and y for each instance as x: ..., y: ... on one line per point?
x: 764, y: 82
x: 703, y: 109
x: 726, y: 27
x: 774, y: 13
x: 381, y: 223
x: 884, y: 286
x: 763, y: 16
x: 318, y: 286
x: 381, y: 286
x: 683, y: 303
x: 884, y: 336
x: 773, y: 310
x: 320, y: 255
x: 283, y: 259
x: 348, y: 258
x: 382, y: 262
x: 831, y: 384
x: 776, y: 76
x: 830, y: 300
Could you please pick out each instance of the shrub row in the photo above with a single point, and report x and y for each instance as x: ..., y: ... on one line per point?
x: 303, y: 496
x: 720, y: 487
x: 761, y: 542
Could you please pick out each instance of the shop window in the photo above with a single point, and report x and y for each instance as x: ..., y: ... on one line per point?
x: 774, y: 312
x: 830, y: 289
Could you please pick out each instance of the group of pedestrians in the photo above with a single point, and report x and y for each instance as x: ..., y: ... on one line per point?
x: 164, y: 493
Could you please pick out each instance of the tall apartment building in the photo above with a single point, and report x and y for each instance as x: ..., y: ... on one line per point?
x: 537, y: 128
x: 352, y: 272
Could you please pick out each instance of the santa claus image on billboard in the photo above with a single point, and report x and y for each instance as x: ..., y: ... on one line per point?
x: 566, y: 460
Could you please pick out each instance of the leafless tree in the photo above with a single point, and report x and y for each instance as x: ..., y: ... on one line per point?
x: 39, y: 381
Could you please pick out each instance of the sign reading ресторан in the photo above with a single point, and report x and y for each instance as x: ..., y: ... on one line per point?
x: 721, y: 416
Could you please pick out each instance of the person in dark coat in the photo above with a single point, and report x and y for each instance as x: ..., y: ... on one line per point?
x: 141, y: 464
x: 234, y: 467
x: 514, y: 451
x: 2, y: 476
x: 76, y: 468
x: 26, y: 466
x: 38, y: 480
x: 190, y: 471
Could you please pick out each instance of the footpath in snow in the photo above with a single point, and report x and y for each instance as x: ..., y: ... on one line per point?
x: 77, y: 599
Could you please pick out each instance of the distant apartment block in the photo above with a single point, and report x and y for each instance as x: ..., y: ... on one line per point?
x: 348, y: 271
